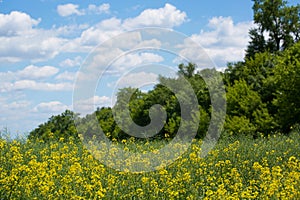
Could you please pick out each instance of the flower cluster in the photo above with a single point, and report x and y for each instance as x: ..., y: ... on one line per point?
x: 266, y: 168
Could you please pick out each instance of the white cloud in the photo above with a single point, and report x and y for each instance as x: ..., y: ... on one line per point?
x: 10, y: 105
x: 36, y: 46
x: 15, y: 105
x: 34, y: 72
x: 103, y: 8
x: 68, y: 9
x: 101, y: 59
x: 16, y: 23
x: 29, y: 116
x: 87, y: 106
x: 224, y: 33
x: 68, y: 30
x: 73, y: 9
x: 226, y: 41
x: 168, y: 16
x: 20, y: 39
x: 115, y: 62
x: 137, y: 80
x: 94, y: 35
x: 34, y: 85
x: 71, y: 62
x: 191, y: 51
x: 69, y: 76
x: 131, y: 60
x: 102, y: 31
x: 51, y: 107
x: 100, y: 101
x: 153, y: 43
x: 30, y: 72
x: 23, y: 41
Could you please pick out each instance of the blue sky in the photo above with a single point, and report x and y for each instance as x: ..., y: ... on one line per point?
x: 44, y: 43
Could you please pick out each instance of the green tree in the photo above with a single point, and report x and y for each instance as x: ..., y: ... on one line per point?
x: 286, y: 79
x: 125, y: 112
x: 59, y: 126
x: 257, y: 43
x: 187, y: 70
x: 246, y: 113
x: 106, y: 121
x: 255, y: 72
x: 279, y: 21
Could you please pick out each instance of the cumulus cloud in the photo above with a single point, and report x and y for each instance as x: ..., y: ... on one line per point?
x: 20, y: 39
x: 37, y: 46
x: 101, y: 63
x: 52, y: 107
x: 102, y: 31
x: 168, y: 16
x: 226, y: 41
x: 10, y: 105
x: 42, y: 86
x: 71, y: 62
x: 15, y: 105
x: 41, y: 44
x: 32, y: 78
x: 103, y: 8
x: 87, y: 106
x: 224, y: 33
x: 73, y: 9
x: 68, y: 31
x: 137, y: 80
x: 34, y: 72
x: 31, y: 72
x: 30, y: 114
x: 131, y: 60
x: 68, y: 9
x: 69, y: 76
x: 16, y: 23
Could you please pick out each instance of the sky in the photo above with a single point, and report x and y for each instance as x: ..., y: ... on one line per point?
x: 48, y: 45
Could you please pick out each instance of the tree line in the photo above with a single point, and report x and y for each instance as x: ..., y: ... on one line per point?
x: 262, y: 91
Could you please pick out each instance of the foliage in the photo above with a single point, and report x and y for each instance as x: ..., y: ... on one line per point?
x: 264, y: 91
x: 56, y: 127
x: 246, y: 111
x: 287, y: 83
x: 117, y: 121
x: 257, y: 43
x: 275, y: 18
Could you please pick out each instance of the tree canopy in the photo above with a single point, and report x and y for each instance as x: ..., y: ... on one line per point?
x: 278, y: 26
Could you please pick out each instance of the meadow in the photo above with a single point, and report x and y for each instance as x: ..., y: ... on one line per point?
x: 259, y: 96
x: 237, y: 168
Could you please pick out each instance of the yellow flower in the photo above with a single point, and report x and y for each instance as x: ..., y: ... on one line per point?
x: 145, y: 180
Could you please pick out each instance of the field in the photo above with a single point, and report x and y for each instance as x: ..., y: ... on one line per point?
x: 237, y: 168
